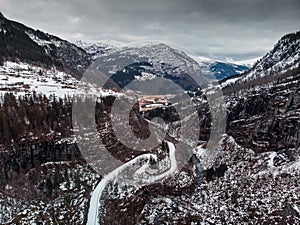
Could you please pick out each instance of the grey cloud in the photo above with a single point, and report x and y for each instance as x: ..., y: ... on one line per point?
x: 232, y: 28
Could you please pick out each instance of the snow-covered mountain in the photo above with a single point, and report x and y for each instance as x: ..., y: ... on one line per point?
x: 247, y: 62
x: 215, y: 69
x: 255, y: 176
x: 151, y: 51
x: 34, y: 61
x: 20, y: 43
x: 211, y: 69
x: 99, y: 48
x: 284, y: 57
x: 136, y: 61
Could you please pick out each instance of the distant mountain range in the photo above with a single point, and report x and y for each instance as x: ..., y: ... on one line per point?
x: 218, y: 70
x: 211, y: 69
x: 20, y: 43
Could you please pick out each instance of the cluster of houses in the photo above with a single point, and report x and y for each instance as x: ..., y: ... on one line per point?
x: 147, y: 103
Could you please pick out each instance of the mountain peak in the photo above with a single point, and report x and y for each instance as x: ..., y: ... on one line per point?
x: 282, y: 58
x: 2, y: 18
x: 293, y: 35
x: 39, y: 48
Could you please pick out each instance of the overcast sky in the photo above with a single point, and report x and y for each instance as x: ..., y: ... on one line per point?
x: 214, y: 28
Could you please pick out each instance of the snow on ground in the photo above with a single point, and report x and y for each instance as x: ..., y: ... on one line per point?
x: 24, y: 79
x: 42, y: 42
x: 246, y: 62
x: 289, y: 168
x: 145, y: 76
x: 246, y: 194
x: 67, y: 207
x: 93, y: 213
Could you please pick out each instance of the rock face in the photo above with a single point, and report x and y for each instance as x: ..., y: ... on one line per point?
x: 266, y: 118
x: 263, y: 104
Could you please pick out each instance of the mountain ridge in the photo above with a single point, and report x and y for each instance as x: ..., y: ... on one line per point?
x: 22, y: 43
x: 283, y: 57
x: 211, y: 69
x: 218, y: 70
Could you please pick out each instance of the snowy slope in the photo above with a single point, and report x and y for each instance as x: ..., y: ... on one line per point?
x: 22, y: 43
x: 285, y: 56
x: 151, y: 52
x: 211, y: 69
x: 136, y: 60
x: 99, y: 48
x: 215, y: 69
x: 246, y: 62
x: 25, y: 79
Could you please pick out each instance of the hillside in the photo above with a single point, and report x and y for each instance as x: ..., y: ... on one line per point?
x: 283, y: 58
x: 218, y: 70
x: 234, y: 164
x: 211, y: 69
x: 21, y: 43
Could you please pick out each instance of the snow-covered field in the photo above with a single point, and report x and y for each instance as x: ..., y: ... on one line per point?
x: 25, y: 79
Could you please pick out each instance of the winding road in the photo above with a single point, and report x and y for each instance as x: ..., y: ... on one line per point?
x: 93, y: 214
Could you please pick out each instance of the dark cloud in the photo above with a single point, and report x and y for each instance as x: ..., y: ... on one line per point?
x: 232, y: 28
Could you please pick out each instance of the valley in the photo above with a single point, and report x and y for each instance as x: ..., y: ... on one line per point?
x: 118, y: 133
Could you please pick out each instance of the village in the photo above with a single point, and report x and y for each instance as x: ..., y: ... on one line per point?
x: 148, y: 103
